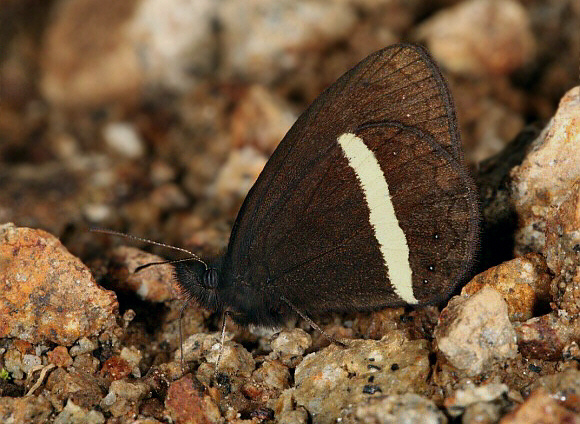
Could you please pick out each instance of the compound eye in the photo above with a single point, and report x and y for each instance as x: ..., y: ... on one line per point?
x: 210, y: 278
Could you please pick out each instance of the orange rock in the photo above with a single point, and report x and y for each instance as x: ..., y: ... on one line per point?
x: 523, y: 282
x: 541, y: 408
x: 47, y: 294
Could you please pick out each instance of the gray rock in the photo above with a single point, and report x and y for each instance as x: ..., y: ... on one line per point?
x: 547, y: 175
x: 297, y: 416
x: 291, y: 342
x: 74, y: 414
x: 471, y: 398
x: 408, y: 408
x: 474, y: 333
x: 329, y: 380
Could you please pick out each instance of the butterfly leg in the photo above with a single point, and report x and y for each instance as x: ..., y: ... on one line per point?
x: 312, y: 323
x: 222, y: 339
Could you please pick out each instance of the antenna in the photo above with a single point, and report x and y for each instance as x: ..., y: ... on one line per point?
x: 139, y: 268
x: 155, y: 243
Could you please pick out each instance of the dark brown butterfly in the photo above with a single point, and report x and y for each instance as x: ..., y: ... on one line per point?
x: 366, y: 203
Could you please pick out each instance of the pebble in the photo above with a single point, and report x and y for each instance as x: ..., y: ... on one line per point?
x: 73, y: 414
x: 474, y: 333
x: 291, y: 342
x: 123, y: 138
x: 524, y: 283
x: 541, y: 407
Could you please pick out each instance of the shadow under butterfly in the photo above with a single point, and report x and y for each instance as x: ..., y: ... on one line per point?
x: 365, y: 204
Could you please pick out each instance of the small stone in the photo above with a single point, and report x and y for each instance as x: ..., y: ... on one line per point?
x: 40, y: 349
x: 168, y: 197
x: 297, y: 416
x: 474, y: 333
x: 132, y: 391
x: 186, y: 402
x: 125, y: 48
x: 162, y: 172
x: 23, y: 346
x: 154, y: 410
x: 484, y: 412
x: 562, y: 251
x: 273, y: 374
x: 108, y: 401
x: 124, y: 139
x: 197, y: 346
x: 87, y: 363
x: 13, y: 363
x: 83, y: 388
x: 132, y: 355
x: 30, y: 362
x: 260, y: 45
x: 377, y: 324
x: 571, y: 352
x: 164, y: 33
x: 464, y: 398
x: 292, y: 342
x: 235, y: 359
x: 560, y: 385
x: 73, y: 414
x: 92, y: 66
x: 286, y: 402
x: 237, y: 176
x: 253, y: 390
x: 83, y: 345
x: 153, y: 284
x: 97, y: 212
x: 541, y: 407
x: 60, y: 357
x: 492, y: 123
x: 547, y: 336
x: 123, y: 408
x: 116, y: 368
x: 523, y: 282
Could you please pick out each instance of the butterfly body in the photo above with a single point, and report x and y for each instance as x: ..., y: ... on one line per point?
x: 366, y: 203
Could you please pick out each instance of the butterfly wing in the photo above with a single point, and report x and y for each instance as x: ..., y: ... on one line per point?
x: 306, y: 230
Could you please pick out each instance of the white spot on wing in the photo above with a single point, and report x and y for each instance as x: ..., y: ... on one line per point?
x: 390, y: 236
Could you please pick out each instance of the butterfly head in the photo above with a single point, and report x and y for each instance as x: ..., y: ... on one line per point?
x: 200, y: 283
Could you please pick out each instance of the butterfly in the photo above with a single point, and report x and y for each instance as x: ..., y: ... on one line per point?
x: 366, y: 203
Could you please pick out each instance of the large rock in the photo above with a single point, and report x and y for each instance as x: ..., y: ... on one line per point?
x: 547, y: 175
x: 47, y: 294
